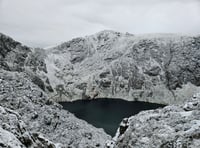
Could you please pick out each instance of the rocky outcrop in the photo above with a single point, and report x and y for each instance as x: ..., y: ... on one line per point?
x: 30, y: 118
x: 12, y: 54
x: 14, y: 133
x: 153, y: 68
x: 173, y: 126
x: 35, y: 68
x: 16, y: 57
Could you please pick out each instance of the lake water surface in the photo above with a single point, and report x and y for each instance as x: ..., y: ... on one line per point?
x: 106, y: 113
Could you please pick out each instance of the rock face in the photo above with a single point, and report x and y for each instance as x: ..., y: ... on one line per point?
x: 175, y: 126
x: 14, y: 134
x: 162, y: 68
x: 12, y: 54
x: 152, y: 68
x: 28, y: 117
x: 16, y: 57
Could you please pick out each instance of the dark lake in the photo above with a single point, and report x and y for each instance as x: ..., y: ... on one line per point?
x: 106, y: 113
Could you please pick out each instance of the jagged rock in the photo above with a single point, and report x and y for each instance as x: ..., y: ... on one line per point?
x: 14, y: 133
x: 7, y: 139
x: 118, y: 65
x: 16, y: 57
x: 12, y: 54
x: 29, y: 105
x: 173, y: 126
x: 153, y: 71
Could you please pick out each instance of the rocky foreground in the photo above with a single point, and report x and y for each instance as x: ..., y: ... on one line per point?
x: 174, y: 126
x: 29, y: 119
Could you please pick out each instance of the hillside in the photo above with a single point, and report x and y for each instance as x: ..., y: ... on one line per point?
x: 159, y: 68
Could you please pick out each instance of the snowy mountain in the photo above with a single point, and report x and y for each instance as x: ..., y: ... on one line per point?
x: 154, y: 68
x: 161, y: 68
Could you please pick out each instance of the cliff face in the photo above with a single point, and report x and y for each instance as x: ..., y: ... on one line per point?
x: 12, y: 54
x: 162, y: 68
x: 152, y: 68
x: 173, y: 126
x: 16, y: 57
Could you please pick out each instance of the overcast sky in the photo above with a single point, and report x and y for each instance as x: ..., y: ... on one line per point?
x: 41, y: 23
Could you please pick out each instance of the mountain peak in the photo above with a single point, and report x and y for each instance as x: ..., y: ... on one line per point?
x: 5, y: 38
x: 111, y: 33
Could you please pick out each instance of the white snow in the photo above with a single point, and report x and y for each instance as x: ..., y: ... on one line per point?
x: 186, y: 114
x: 9, y: 139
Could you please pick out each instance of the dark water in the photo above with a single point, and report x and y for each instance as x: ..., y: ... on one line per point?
x: 106, y: 113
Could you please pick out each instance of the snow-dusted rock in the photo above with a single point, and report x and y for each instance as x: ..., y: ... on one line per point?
x: 12, y: 54
x: 16, y: 57
x: 14, y: 133
x: 30, y: 110
x: 7, y: 139
x: 162, y: 68
x: 173, y: 126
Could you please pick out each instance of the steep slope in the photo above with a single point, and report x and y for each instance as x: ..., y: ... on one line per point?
x: 14, y: 133
x: 162, y: 68
x: 12, y: 54
x: 175, y: 126
x: 37, y: 114
x: 16, y: 57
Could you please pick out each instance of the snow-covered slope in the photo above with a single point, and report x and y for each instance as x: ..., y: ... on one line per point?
x: 16, y: 57
x: 161, y: 68
x: 15, y: 134
x: 28, y: 117
x: 12, y: 54
x: 174, y: 126
x: 32, y: 120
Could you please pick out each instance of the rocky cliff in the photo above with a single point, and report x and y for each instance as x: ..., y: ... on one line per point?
x: 175, y: 126
x: 16, y: 57
x: 162, y: 68
x: 14, y: 133
x: 12, y: 54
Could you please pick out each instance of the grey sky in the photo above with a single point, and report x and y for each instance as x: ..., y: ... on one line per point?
x: 41, y: 23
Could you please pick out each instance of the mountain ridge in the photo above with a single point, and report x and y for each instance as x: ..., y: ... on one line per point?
x: 110, y: 64
x: 82, y: 57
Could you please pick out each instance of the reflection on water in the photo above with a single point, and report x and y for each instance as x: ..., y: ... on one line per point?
x: 106, y: 113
